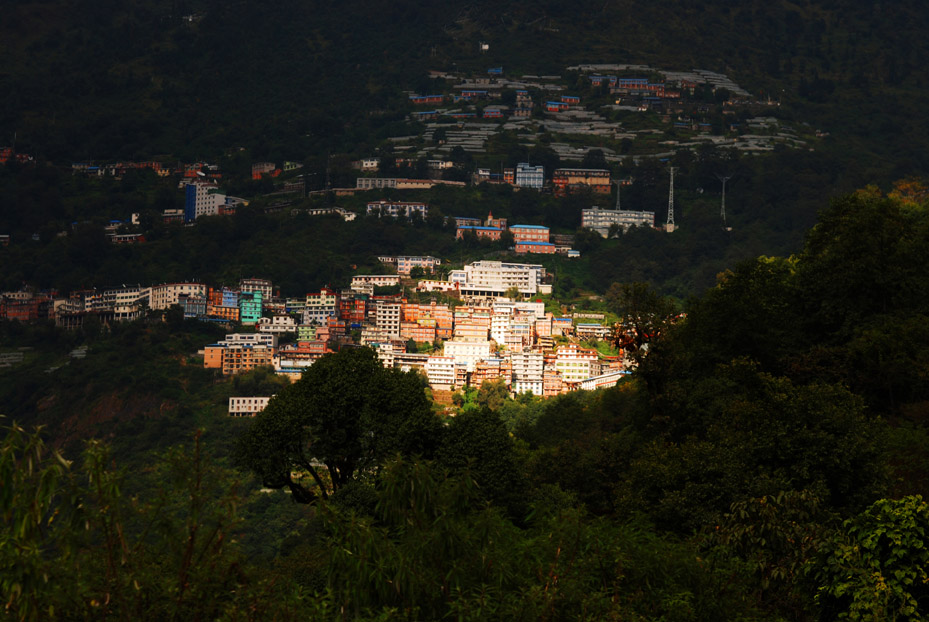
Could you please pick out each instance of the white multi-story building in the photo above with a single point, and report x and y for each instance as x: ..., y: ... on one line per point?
x: 493, y: 278
x: 467, y: 352
x: 396, y: 209
x: 528, y: 369
x: 167, y: 295
x: 125, y: 303
x: 202, y: 199
x: 247, y: 406
x: 247, y: 286
x: 528, y: 176
x: 593, y: 331
x: 363, y: 281
x: 405, y: 264
x: 320, y: 305
x: 278, y: 325
x: 500, y: 324
x: 387, y: 318
x: 603, y: 381
x: 600, y: 220
x: 250, y: 339
x: 440, y: 371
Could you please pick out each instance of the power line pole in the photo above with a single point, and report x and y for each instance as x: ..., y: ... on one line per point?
x: 619, y: 184
x: 722, y: 209
x: 670, y: 224
x: 328, y: 182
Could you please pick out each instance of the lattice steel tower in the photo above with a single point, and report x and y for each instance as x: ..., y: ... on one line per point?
x: 722, y: 209
x: 670, y: 224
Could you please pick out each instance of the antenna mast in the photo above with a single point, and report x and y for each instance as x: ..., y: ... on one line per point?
x: 722, y: 209
x: 670, y: 224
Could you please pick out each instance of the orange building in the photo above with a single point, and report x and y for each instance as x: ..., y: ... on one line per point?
x: 529, y: 233
x: 213, y: 356
x: 239, y: 359
x: 483, y: 233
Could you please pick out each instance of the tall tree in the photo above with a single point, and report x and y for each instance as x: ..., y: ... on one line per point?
x: 348, y: 414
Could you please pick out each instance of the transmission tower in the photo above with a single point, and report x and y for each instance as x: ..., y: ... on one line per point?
x: 619, y: 185
x: 722, y: 209
x: 670, y: 225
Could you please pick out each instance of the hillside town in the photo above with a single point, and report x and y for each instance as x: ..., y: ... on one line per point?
x: 490, y: 326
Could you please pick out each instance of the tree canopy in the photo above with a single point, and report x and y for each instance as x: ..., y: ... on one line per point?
x: 347, y: 412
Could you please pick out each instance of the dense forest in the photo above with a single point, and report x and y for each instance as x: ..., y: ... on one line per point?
x: 766, y: 461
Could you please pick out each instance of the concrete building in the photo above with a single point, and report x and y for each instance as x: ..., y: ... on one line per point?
x: 603, y: 381
x: 254, y: 339
x: 277, y: 325
x: 575, y: 363
x: 319, y: 306
x: 528, y: 176
x: 406, y: 264
x: 375, y: 280
x: 482, y: 233
x: 395, y: 209
x: 467, y: 352
x: 168, y: 294
x: 529, y: 233
x: 440, y: 372
x: 528, y: 371
x: 537, y: 248
x: 238, y: 359
x: 387, y: 319
x: 247, y: 406
x: 491, y: 279
x: 595, y: 332
x: 202, y: 198
x: 247, y: 286
x: 569, y: 179
x: 250, y: 307
x: 600, y: 220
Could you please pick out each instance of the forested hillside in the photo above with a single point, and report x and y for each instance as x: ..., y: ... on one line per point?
x: 750, y: 469
x: 193, y: 78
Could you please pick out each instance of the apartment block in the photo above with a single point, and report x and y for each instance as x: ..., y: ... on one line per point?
x: 570, y: 179
x: 528, y: 372
x: 406, y: 264
x: 395, y: 209
x: 250, y: 307
x: 319, y: 306
x: 247, y: 406
x: 529, y: 233
x: 600, y: 220
x: 440, y: 372
x: 575, y: 363
x: 468, y: 352
x: 247, y: 286
x: 387, y: 319
x: 168, y: 294
x: 491, y: 279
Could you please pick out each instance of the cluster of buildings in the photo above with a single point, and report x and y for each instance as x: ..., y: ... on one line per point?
x: 8, y: 154
x: 564, y: 180
x: 515, y: 341
x: 602, y: 220
x: 245, y: 304
x: 270, y: 169
x: 203, y: 198
x: 194, y: 170
x: 526, y: 238
x: 492, y: 330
